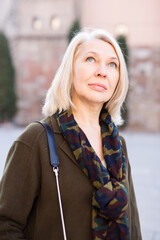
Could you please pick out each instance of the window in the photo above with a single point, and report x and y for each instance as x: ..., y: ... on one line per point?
x: 121, y: 29
x: 55, y: 22
x: 37, y: 23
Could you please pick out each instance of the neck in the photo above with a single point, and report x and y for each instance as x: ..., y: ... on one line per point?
x: 87, y: 114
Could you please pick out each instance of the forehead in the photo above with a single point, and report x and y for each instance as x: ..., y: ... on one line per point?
x: 98, y: 46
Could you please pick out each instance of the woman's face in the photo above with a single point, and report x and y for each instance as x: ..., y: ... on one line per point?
x: 95, y: 72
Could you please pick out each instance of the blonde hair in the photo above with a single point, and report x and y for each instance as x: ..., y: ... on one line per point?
x: 59, y: 94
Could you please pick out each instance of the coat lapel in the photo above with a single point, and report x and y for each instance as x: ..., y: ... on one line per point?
x: 60, y: 141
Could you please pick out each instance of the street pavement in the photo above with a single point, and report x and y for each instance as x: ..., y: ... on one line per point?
x: 144, y: 155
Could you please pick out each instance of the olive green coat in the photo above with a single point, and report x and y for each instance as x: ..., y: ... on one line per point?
x: 28, y: 198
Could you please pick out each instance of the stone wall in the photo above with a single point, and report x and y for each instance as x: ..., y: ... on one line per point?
x: 36, y: 64
x: 38, y: 29
x: 144, y: 95
x: 39, y: 46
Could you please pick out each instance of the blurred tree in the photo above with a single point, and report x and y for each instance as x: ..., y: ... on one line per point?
x: 121, y: 39
x: 7, y: 90
x: 74, y: 29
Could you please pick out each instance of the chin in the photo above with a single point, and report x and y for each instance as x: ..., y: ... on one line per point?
x: 98, y: 99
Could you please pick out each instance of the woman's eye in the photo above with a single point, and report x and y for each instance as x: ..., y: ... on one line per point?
x: 90, y: 59
x: 113, y: 65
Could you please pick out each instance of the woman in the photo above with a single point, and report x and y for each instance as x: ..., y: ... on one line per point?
x: 83, y: 108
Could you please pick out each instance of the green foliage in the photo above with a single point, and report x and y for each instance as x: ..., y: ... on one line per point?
x: 123, y: 45
x: 7, y: 91
x: 75, y: 28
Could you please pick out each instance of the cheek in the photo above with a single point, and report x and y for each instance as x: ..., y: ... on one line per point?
x: 114, y: 78
x: 82, y: 74
x: 78, y: 72
x: 78, y: 79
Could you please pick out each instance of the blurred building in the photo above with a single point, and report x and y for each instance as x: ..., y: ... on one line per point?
x: 139, y: 21
x: 38, y: 30
x: 38, y: 40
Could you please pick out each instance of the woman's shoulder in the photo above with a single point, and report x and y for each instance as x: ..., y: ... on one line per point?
x: 33, y: 132
x: 122, y: 140
x: 124, y: 146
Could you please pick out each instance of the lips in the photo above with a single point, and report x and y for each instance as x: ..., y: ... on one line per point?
x: 98, y: 86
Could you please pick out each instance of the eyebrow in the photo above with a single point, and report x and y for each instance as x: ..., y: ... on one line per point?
x: 95, y: 53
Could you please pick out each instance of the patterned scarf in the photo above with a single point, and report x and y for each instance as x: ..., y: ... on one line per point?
x: 110, y: 198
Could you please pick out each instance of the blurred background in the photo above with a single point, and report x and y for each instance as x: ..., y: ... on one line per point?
x: 33, y: 37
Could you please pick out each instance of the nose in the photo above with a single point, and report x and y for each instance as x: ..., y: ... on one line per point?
x: 101, y: 71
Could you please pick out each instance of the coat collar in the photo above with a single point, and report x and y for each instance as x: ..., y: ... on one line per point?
x: 60, y: 141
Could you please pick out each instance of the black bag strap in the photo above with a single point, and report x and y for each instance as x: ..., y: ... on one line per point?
x: 52, y: 145
x: 55, y: 163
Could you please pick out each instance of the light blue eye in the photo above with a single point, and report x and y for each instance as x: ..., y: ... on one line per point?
x: 113, y: 65
x: 90, y: 59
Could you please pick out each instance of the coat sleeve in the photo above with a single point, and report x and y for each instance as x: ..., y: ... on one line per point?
x: 133, y: 215
x: 18, y: 190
